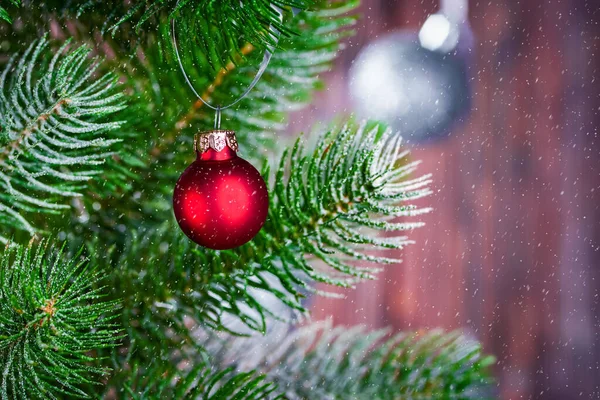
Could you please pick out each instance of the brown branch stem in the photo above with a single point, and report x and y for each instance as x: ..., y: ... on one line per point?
x: 29, y: 129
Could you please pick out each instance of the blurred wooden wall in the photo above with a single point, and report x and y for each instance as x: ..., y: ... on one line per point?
x: 511, y: 252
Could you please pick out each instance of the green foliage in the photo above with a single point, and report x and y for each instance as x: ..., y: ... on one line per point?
x: 4, y: 13
x: 52, y: 316
x: 320, y: 361
x: 52, y: 112
x: 198, y: 382
x: 163, y: 115
x: 337, y: 198
x: 336, y: 210
x: 220, y: 26
x: 318, y: 211
x: 287, y: 84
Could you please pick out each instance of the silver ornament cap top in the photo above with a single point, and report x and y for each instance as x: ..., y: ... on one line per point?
x: 216, y: 140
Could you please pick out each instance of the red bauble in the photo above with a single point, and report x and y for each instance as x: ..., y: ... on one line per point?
x: 220, y: 201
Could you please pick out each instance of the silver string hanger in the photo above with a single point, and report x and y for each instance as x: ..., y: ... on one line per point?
x: 261, y: 69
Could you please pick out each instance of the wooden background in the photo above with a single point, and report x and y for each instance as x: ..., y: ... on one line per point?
x: 511, y: 252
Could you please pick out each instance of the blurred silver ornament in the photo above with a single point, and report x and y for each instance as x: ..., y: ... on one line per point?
x: 417, y: 82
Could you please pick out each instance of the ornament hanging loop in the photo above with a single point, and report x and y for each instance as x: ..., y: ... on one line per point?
x: 218, y: 118
x: 261, y: 69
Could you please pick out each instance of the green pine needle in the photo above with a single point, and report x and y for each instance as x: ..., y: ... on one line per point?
x: 52, y: 315
x: 4, y: 15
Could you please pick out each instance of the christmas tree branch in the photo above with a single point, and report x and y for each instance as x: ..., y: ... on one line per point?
x: 323, y: 361
x: 336, y: 209
x: 317, y: 218
x: 217, y: 26
x: 326, y: 362
x: 155, y: 150
x: 51, y: 316
x: 351, y: 184
x: 53, y: 135
x: 160, y: 96
x: 285, y: 86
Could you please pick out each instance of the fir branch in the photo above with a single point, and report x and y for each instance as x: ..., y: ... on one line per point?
x: 287, y: 84
x: 332, y: 205
x: 320, y: 361
x: 51, y: 316
x: 54, y: 136
x: 336, y: 200
x: 199, y: 382
x: 161, y: 98
x: 218, y: 26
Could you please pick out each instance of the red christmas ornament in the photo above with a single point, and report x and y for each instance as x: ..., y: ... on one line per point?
x: 220, y: 201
